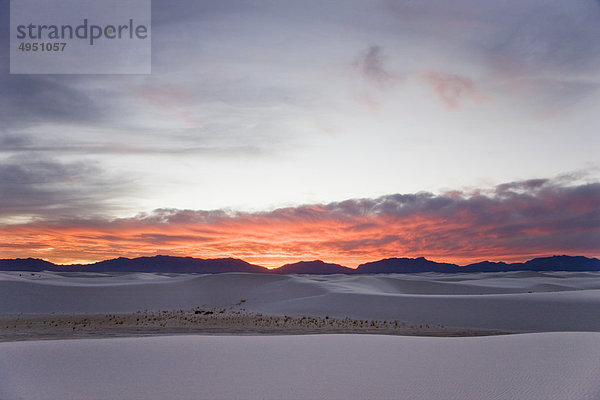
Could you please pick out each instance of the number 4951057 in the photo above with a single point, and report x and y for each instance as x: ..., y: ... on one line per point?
x: 43, y: 46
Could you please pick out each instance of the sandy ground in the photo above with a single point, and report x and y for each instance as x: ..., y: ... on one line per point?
x: 229, y: 321
x: 539, y: 366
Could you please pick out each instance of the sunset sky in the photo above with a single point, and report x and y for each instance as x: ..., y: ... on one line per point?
x: 348, y: 131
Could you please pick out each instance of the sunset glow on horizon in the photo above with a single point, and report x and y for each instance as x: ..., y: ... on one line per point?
x: 514, y: 222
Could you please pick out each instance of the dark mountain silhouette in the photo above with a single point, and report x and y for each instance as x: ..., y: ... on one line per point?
x: 414, y: 265
x: 313, y: 267
x: 175, y: 265
x: 170, y: 264
x: 26, y: 264
x: 562, y: 263
x: 167, y: 264
x: 488, y: 266
x: 405, y: 266
x: 554, y: 263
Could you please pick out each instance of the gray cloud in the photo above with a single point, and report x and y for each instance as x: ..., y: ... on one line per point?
x: 370, y: 64
x: 40, y: 99
x: 49, y: 189
x: 12, y: 142
x: 535, y: 203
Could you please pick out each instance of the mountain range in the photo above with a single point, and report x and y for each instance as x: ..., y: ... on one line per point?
x: 171, y: 264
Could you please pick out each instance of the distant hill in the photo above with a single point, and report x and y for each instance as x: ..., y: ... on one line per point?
x: 488, y: 266
x: 165, y: 264
x: 316, y: 267
x: 405, y: 266
x: 562, y: 263
x: 554, y: 263
x: 26, y: 264
x: 175, y: 264
x: 415, y: 265
x: 170, y: 264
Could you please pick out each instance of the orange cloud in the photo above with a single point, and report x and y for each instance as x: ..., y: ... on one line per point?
x: 514, y: 222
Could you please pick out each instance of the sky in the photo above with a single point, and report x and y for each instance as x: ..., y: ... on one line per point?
x: 347, y: 131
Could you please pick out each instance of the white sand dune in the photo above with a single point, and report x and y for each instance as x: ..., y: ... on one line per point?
x: 516, y: 301
x: 544, y: 366
x: 558, y: 363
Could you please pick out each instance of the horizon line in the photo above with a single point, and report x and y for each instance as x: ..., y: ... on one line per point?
x: 296, y: 262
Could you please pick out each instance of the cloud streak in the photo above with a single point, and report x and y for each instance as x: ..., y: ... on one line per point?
x: 512, y: 221
x: 45, y: 188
